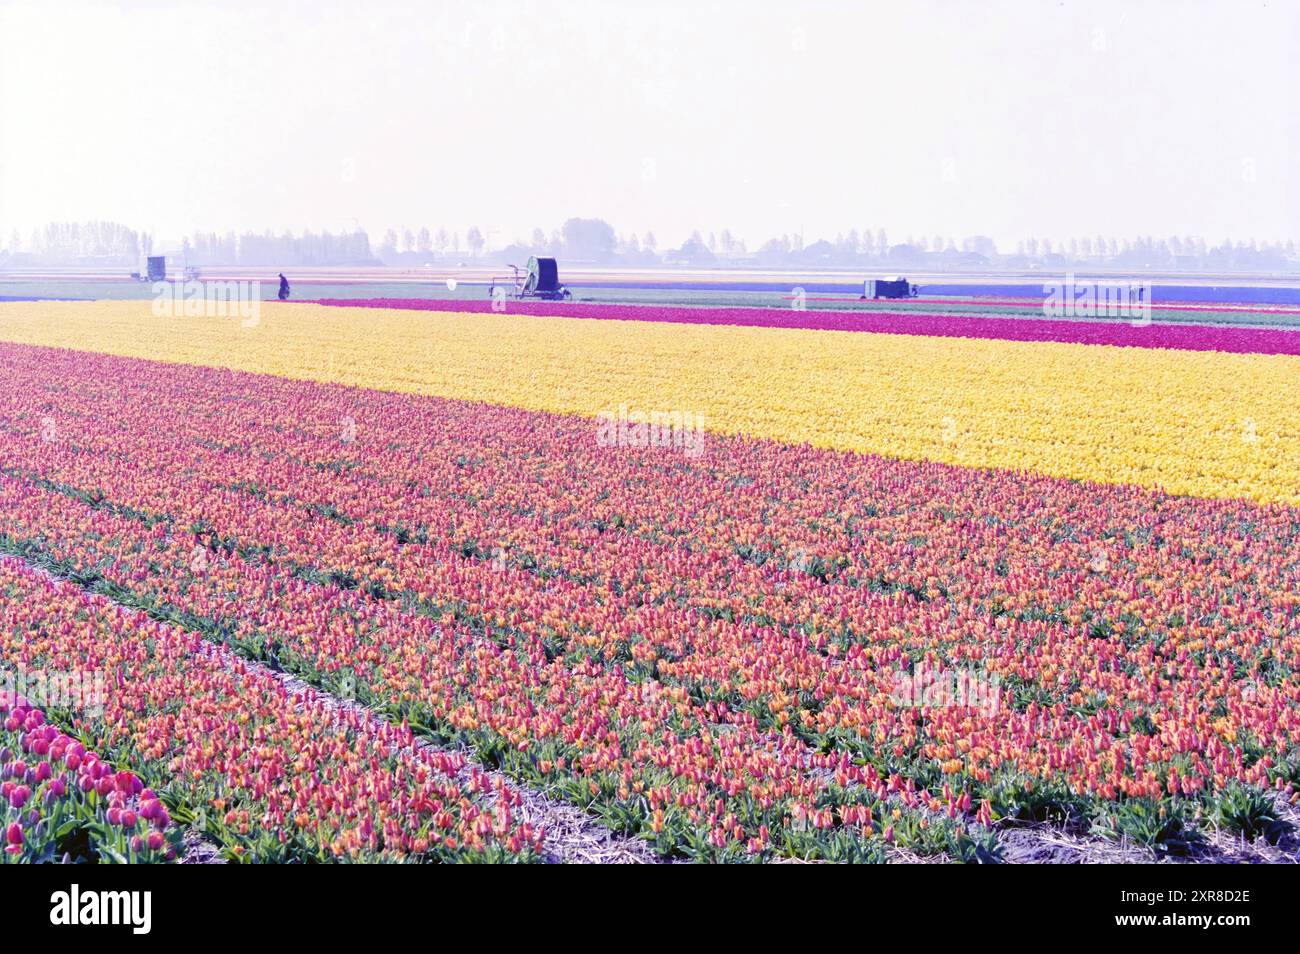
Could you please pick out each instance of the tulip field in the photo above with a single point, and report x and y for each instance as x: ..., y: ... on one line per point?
x: 56, y: 795
x: 364, y: 578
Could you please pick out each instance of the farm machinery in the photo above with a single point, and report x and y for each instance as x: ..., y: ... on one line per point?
x: 892, y: 287
x: 156, y: 271
x: 539, y: 279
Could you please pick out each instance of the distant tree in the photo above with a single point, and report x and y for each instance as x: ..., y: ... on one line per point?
x: 390, y: 243
x: 474, y: 238
x: 408, y: 240
x: 694, y: 252
x: 424, y: 241
x: 588, y: 239
x: 648, y: 240
x: 539, y: 239
x: 905, y: 253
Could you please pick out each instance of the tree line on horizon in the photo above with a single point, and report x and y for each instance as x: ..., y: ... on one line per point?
x: 597, y: 242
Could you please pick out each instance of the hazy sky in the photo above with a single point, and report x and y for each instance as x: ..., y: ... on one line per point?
x: 1050, y: 119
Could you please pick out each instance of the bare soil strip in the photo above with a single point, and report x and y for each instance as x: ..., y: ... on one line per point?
x: 1048, y: 844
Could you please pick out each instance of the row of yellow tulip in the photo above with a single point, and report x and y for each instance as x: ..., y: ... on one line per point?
x: 1202, y: 423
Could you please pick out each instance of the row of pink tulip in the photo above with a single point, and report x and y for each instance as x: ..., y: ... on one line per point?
x: 578, y: 723
x: 271, y: 773
x: 60, y: 802
x: 782, y: 589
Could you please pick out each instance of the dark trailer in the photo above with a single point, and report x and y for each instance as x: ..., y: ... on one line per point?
x: 541, y: 279
x: 893, y: 287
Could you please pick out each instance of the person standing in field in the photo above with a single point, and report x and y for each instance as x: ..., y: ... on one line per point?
x: 284, y: 287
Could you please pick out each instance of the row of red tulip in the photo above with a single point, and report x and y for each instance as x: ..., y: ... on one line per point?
x: 1143, y: 643
x: 271, y: 773
x: 446, y: 675
x: 60, y: 802
x: 716, y: 783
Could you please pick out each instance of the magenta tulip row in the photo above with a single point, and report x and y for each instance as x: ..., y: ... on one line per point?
x: 1116, y: 332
